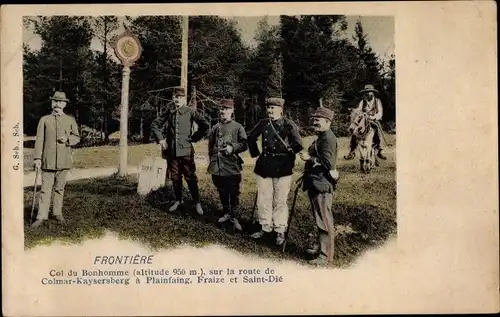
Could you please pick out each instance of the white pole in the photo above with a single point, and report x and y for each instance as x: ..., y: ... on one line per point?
x: 184, y: 60
x: 122, y: 171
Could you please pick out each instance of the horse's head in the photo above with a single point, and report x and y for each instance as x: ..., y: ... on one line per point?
x: 358, y: 122
x: 360, y: 128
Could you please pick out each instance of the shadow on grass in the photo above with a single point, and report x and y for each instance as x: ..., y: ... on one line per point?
x: 91, y: 207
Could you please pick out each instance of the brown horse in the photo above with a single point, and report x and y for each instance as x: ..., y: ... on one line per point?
x: 361, y: 127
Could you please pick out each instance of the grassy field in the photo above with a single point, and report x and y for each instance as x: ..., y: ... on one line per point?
x: 108, y: 156
x: 364, y: 210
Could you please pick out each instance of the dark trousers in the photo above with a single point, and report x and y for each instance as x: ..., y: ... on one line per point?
x: 184, y: 166
x: 229, y: 192
x: 376, y: 141
x: 323, y: 214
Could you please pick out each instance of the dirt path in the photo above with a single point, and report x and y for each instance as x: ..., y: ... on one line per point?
x: 85, y: 173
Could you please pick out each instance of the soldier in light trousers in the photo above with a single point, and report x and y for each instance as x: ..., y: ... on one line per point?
x: 281, y: 142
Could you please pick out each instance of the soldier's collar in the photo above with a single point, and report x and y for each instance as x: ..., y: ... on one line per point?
x: 181, y: 109
x: 277, y: 121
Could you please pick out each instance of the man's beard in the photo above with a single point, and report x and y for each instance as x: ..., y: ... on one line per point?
x: 317, y: 128
x: 273, y: 115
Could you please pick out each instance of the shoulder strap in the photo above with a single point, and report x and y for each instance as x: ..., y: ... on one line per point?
x: 279, y: 136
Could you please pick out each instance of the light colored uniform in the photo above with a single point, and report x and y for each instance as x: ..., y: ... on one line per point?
x: 56, y: 159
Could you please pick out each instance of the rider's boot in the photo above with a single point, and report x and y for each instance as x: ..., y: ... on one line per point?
x: 380, y: 155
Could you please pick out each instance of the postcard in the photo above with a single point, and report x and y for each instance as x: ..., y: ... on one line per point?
x: 249, y: 158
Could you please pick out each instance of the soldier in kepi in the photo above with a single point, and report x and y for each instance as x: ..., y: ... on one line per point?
x: 320, y: 179
x: 55, y: 135
x: 172, y: 130
x: 281, y: 142
x: 226, y: 140
x: 373, y: 107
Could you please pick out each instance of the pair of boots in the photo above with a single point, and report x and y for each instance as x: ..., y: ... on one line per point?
x: 178, y: 204
x: 280, y: 236
x: 228, y: 217
x: 40, y: 222
x: 313, y: 249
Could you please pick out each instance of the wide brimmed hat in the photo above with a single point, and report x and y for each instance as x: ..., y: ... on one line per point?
x: 60, y: 96
x: 369, y: 88
x: 226, y: 103
x: 323, y: 113
x: 275, y: 101
x: 179, y: 91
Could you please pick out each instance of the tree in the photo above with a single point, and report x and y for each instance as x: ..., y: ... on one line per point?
x: 156, y: 71
x: 369, y: 67
x: 315, y: 61
x: 104, y: 29
x: 59, y: 65
x: 217, y: 56
x: 263, y: 74
x: 275, y: 79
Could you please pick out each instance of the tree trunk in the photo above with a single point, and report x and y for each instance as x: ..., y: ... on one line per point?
x: 106, y: 131
x: 141, y: 127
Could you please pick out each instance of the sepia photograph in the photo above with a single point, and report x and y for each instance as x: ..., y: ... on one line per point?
x: 249, y: 159
x: 271, y: 135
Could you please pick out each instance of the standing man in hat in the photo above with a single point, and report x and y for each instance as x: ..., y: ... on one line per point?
x: 281, y: 142
x: 55, y: 135
x: 226, y: 140
x: 320, y: 178
x: 172, y: 130
x: 373, y: 107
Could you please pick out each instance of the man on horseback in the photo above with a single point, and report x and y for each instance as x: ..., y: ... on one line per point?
x: 373, y: 107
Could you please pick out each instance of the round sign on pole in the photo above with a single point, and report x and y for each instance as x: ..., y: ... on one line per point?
x: 127, y: 48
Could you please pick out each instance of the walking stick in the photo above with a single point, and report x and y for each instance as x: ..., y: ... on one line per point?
x: 299, y: 183
x: 34, y: 193
x: 254, y: 205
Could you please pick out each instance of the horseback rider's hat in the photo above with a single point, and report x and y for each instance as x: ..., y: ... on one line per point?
x: 59, y: 96
x: 274, y: 101
x: 226, y: 104
x: 179, y: 91
x: 369, y: 88
x: 323, y: 113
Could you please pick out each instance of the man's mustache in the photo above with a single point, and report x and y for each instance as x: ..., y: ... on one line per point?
x: 317, y: 125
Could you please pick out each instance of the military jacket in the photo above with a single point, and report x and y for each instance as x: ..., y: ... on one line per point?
x: 175, y: 126
x: 323, y: 152
x: 55, y: 155
x: 279, y: 147
x: 223, y: 134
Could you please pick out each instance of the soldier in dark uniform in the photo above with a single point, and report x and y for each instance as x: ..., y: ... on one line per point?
x: 226, y: 140
x: 274, y: 167
x: 320, y: 178
x: 173, y: 131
